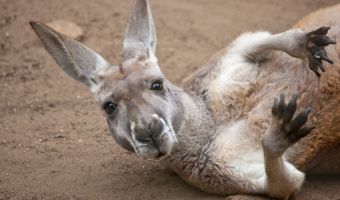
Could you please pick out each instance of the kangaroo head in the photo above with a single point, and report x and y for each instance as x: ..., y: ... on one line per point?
x: 141, y: 106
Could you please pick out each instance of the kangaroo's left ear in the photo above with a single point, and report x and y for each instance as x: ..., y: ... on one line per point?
x: 140, y: 34
x: 77, y: 60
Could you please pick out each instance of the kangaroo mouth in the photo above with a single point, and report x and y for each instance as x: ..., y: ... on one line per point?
x: 157, y: 145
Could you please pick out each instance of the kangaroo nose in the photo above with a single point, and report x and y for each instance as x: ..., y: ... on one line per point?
x: 143, y: 139
x: 148, y: 130
x: 156, y: 125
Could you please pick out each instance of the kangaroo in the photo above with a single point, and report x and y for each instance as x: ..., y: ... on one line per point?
x: 229, y: 130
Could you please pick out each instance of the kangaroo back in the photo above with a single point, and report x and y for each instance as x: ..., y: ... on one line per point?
x: 326, y: 95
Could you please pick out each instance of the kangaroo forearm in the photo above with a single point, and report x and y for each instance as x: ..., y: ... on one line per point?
x: 282, y: 178
x: 290, y: 42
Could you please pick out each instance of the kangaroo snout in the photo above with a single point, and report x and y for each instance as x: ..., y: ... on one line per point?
x: 152, y: 138
x: 147, y: 130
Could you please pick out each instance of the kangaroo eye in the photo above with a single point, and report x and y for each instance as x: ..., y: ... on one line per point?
x: 157, y: 85
x: 110, y: 107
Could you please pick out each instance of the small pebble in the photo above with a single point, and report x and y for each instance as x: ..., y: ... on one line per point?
x: 43, y: 140
x: 59, y: 136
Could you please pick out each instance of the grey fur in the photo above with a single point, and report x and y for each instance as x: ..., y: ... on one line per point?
x: 140, y: 33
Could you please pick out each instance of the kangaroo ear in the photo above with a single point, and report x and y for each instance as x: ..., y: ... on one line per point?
x: 77, y: 60
x: 141, y: 33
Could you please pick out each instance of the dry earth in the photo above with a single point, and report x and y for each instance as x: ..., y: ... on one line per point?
x: 54, y: 143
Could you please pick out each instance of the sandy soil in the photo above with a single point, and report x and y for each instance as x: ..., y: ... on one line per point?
x: 54, y: 143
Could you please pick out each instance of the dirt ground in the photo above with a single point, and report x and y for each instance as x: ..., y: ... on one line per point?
x: 54, y: 141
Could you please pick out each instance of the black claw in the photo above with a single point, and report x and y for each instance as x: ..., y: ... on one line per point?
x: 314, y: 67
x: 328, y: 40
x: 275, y: 108
x: 301, y: 133
x: 323, y: 40
x: 322, y: 67
x: 326, y: 58
x: 321, y: 54
x: 299, y: 120
x: 282, y: 105
x: 320, y: 31
x: 290, y: 109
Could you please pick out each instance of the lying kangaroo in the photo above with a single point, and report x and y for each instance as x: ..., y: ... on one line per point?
x: 229, y: 130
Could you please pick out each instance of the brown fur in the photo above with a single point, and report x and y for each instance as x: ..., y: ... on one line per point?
x: 324, y: 93
x: 289, y: 76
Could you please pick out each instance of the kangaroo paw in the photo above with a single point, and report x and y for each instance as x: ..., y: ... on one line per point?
x: 287, y: 127
x: 315, y: 46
